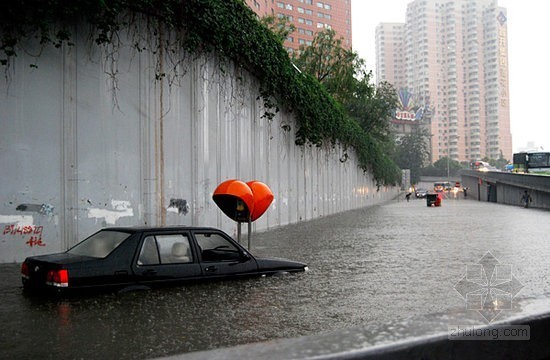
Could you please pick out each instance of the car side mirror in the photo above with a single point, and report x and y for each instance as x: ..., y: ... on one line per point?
x: 245, y: 257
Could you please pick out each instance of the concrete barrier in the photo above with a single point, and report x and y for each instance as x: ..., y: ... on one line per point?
x: 427, y: 337
x: 507, y: 188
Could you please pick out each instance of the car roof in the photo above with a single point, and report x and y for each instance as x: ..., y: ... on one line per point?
x: 137, y: 229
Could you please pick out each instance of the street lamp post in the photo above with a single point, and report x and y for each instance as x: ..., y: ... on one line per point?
x: 448, y: 159
x: 448, y: 156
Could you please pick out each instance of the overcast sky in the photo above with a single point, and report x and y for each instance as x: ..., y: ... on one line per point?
x: 528, y: 55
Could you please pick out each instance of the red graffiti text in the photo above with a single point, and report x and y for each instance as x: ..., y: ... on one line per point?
x: 23, y: 230
x: 35, y: 241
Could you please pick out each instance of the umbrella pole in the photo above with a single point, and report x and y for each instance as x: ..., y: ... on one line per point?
x: 249, y: 231
x: 239, y: 232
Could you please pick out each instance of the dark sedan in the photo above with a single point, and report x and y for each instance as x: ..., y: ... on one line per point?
x: 420, y: 193
x: 132, y: 258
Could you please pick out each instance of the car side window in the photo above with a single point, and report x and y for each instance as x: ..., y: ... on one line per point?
x: 215, y: 247
x: 174, y: 249
x: 149, y: 254
x: 165, y: 249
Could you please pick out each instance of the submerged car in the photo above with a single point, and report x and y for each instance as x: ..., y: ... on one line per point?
x: 125, y: 258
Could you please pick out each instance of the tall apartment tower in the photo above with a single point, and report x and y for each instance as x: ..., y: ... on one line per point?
x: 309, y: 17
x: 452, y: 55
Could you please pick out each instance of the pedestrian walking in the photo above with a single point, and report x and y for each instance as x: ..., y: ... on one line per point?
x: 526, y: 199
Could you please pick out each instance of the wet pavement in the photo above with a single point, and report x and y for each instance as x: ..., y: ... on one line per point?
x: 385, y: 264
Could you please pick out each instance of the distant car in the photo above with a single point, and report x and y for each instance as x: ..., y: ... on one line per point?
x: 420, y: 193
x: 126, y: 258
x: 442, y: 186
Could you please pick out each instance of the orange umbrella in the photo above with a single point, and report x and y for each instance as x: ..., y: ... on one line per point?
x: 235, y: 199
x: 262, y: 198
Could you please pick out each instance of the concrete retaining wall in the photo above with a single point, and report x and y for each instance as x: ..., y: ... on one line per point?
x: 91, y: 140
x: 507, y: 188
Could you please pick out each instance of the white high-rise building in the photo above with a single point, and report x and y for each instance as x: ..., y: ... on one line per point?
x: 452, y: 55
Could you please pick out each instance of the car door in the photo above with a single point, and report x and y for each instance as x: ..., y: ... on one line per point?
x: 221, y: 256
x: 166, y: 257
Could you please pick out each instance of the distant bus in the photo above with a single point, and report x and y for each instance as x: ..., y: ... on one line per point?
x: 524, y: 161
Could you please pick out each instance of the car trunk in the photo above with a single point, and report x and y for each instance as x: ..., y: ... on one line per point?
x: 48, y: 271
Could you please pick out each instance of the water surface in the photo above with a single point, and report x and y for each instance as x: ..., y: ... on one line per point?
x: 373, y: 266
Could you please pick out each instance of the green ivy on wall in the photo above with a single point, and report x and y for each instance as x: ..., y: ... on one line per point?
x: 227, y: 27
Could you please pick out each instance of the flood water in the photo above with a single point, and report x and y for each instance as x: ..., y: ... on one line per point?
x: 376, y: 265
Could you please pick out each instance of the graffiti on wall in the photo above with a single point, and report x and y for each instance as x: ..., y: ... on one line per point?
x: 31, y: 233
x: 179, y: 206
x: 22, y: 227
x: 43, y: 209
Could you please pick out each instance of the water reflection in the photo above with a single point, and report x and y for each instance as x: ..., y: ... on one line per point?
x: 374, y: 266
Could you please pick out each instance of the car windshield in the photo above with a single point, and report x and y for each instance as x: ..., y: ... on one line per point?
x: 99, y: 244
